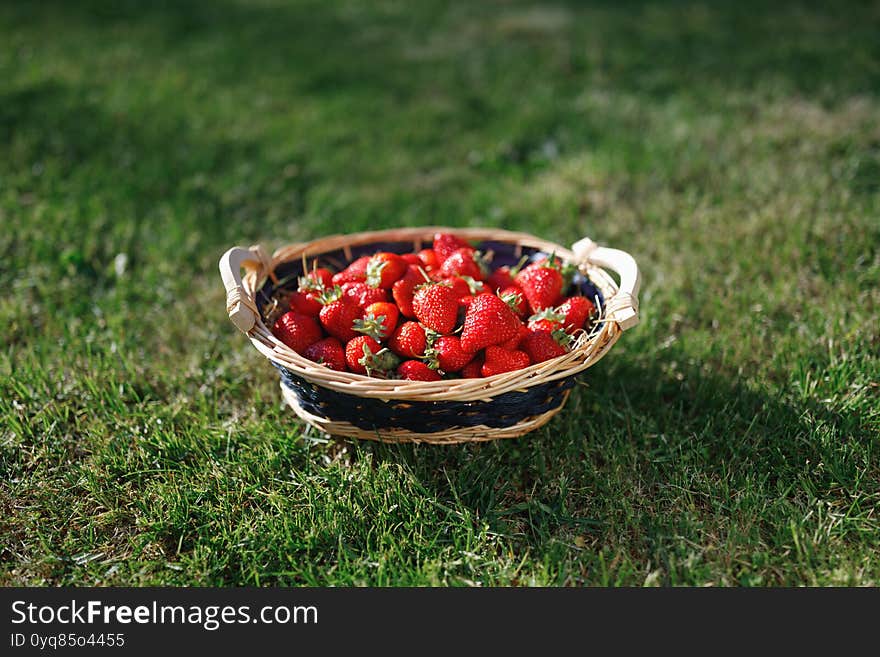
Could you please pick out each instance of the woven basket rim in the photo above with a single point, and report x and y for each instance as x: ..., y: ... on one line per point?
x: 588, y: 349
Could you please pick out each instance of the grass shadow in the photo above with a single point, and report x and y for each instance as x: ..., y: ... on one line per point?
x: 642, y: 456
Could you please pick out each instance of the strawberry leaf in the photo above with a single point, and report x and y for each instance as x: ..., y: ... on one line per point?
x: 374, y: 272
x: 372, y: 326
x: 474, y: 285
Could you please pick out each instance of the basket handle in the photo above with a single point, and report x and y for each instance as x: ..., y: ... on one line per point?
x: 623, y: 307
x: 241, y: 307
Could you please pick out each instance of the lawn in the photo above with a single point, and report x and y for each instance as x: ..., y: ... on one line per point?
x: 732, y: 438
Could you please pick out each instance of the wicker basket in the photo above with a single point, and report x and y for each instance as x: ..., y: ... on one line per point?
x: 450, y: 411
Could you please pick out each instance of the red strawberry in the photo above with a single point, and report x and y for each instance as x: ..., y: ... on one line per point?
x: 297, y: 330
x: 356, y: 271
x: 362, y: 294
x: 359, y: 349
x: 379, y: 320
x: 464, y: 288
x: 474, y: 369
x: 365, y: 356
x: 576, y: 310
x: 404, y: 289
x: 409, y: 340
x: 436, y: 306
x: 338, y: 318
x: 447, y: 355
x: 459, y: 286
x: 548, y: 320
x: 416, y: 370
x: 464, y: 262
x: 328, y: 352
x: 542, y: 284
x: 543, y: 345
x: 446, y: 244
x: 403, y: 292
x: 500, y: 360
x: 318, y: 278
x: 307, y: 303
x: 488, y: 321
x: 503, y: 276
x: 384, y: 268
x: 513, y: 296
x: 412, y: 259
x: 429, y: 259
x: 500, y: 279
x: 516, y: 340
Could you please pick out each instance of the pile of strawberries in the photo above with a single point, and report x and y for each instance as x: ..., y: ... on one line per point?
x: 439, y: 313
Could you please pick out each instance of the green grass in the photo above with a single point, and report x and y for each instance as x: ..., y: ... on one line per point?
x: 734, y: 149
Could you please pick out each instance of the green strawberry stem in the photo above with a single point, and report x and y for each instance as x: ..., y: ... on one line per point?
x: 307, y: 284
x: 513, y: 271
x: 330, y: 295
x: 565, y: 269
x: 372, y: 326
x: 512, y: 299
x: 382, y: 361
x: 562, y: 338
x: 552, y: 314
x: 474, y: 285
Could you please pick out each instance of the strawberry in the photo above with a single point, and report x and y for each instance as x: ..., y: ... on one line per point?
x: 500, y: 360
x: 338, y: 316
x: 447, y: 355
x: 459, y: 286
x: 464, y: 262
x: 307, y: 303
x: 412, y: 259
x: 516, y: 340
x: 356, y: 271
x: 297, y: 330
x: 310, y: 288
x: 379, y: 320
x: 328, y: 352
x: 429, y: 259
x: 503, y: 276
x: 404, y: 289
x: 474, y: 286
x: 403, y: 292
x: 384, y: 268
x: 488, y: 321
x: 543, y: 345
x: 364, y: 355
x: 576, y: 311
x: 548, y: 319
x: 499, y: 279
x: 416, y: 370
x: 358, y: 350
x: 317, y: 279
x: 542, y: 284
x: 446, y: 244
x: 474, y: 369
x: 409, y: 340
x: 436, y: 306
x: 513, y: 296
x: 464, y: 288
x: 362, y: 294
